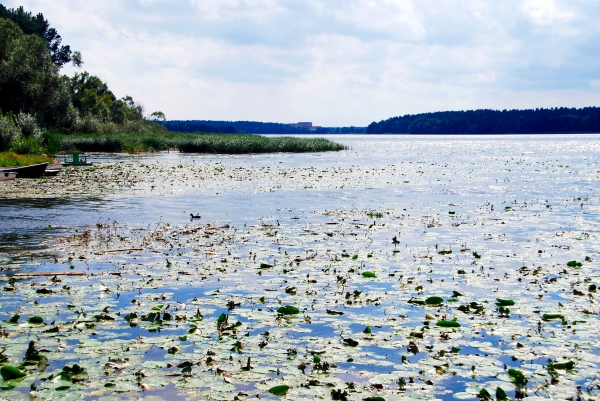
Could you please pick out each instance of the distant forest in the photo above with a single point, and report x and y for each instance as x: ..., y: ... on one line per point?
x: 253, y: 127
x: 557, y: 120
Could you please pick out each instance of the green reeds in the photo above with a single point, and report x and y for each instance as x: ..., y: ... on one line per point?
x: 13, y: 159
x: 192, y: 143
x: 243, y: 143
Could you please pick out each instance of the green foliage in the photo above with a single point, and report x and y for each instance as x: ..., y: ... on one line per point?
x: 10, y: 372
x: 492, y: 122
x: 517, y: 377
x: 434, y: 301
x: 288, y: 310
x: 26, y: 146
x: 448, y: 323
x: 279, y: 390
x: 37, y: 25
x: 29, y: 80
x: 147, y: 137
x: 36, y: 320
x: 13, y: 159
x: 243, y: 144
x: 8, y: 131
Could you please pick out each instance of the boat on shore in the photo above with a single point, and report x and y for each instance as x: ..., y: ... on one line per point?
x: 32, y: 171
x: 7, y: 175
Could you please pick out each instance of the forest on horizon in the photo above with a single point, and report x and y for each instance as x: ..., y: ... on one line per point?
x: 531, y: 121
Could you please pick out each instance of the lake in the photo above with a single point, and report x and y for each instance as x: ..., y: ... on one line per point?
x: 489, y: 283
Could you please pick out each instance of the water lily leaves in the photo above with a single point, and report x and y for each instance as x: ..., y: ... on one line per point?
x: 14, y: 318
x: 36, y: 320
x: 376, y: 398
x: 355, y: 257
x: 574, y: 263
x: 367, y: 330
x: 288, y: 310
x: 501, y: 394
x: 484, y: 395
x: 350, y: 342
x: 448, y: 323
x: 222, y: 320
x: 368, y: 274
x: 416, y: 301
x: 505, y: 302
x: 517, y: 377
x: 10, y: 372
x: 73, y: 373
x: 561, y: 365
x: 265, y: 266
x: 279, y: 390
x: 434, y: 301
x: 553, y: 316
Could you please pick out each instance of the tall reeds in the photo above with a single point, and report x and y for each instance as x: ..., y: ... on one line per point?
x: 192, y: 143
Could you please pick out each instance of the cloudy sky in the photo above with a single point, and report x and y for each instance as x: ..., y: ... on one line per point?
x: 334, y: 62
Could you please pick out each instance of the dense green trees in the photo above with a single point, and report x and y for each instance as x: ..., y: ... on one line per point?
x: 36, y: 25
x: 492, y: 122
x: 32, y: 90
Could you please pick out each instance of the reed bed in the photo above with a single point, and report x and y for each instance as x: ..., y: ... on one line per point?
x: 13, y: 159
x: 193, y: 143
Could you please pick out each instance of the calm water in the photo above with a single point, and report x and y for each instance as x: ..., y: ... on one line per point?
x: 518, y: 200
x: 440, y: 170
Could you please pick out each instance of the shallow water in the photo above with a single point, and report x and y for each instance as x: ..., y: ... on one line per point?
x: 515, y: 200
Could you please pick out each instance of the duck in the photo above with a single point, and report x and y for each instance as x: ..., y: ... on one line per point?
x: 195, y: 217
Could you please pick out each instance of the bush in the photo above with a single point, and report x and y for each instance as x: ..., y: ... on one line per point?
x: 23, y: 145
x: 28, y: 125
x: 8, y: 132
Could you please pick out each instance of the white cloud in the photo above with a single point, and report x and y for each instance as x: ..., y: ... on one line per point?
x: 335, y: 62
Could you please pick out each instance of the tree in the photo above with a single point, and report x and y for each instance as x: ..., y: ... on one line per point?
x: 29, y: 80
x: 37, y: 25
x: 158, y: 117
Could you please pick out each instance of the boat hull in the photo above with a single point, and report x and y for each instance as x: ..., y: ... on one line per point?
x: 33, y: 171
x: 7, y: 175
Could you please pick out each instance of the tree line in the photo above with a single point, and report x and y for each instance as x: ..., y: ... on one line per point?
x: 253, y: 127
x: 551, y: 120
x: 36, y: 97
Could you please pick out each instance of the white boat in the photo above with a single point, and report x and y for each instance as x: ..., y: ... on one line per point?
x: 7, y: 175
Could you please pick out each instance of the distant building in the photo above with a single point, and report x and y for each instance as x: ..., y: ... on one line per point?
x: 308, y: 125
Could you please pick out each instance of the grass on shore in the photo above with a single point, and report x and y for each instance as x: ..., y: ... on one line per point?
x: 188, y: 143
x: 8, y: 159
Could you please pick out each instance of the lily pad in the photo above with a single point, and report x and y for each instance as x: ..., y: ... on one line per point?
x: 279, y: 390
x: 434, y: 301
x: 36, y: 320
x: 10, y: 372
x: 288, y: 310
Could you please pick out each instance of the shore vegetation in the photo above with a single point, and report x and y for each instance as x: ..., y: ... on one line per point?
x: 13, y: 159
x: 187, y: 143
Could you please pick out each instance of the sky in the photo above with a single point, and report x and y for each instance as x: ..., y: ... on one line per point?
x: 334, y: 62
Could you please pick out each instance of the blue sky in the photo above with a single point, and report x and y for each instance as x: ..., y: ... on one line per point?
x: 334, y: 62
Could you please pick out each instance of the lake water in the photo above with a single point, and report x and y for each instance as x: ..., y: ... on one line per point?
x: 469, y: 212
